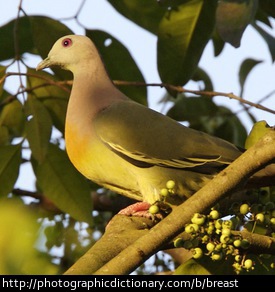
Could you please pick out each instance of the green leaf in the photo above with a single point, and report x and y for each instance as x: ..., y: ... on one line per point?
x: 219, y: 267
x: 145, y: 13
x: 57, y: 109
x: 64, y: 185
x: 4, y: 97
x: 212, y: 119
x: 183, y: 35
x: 23, y: 43
x: 10, y: 160
x: 18, y: 239
x: 268, y: 6
x: 38, y: 127
x: 54, y: 97
x: 35, y: 34
x: 246, y: 67
x: 119, y: 63
x: 229, y: 127
x: 187, y: 109
x: 2, y: 74
x: 45, y: 32
x: 218, y: 43
x: 13, y: 118
x: 270, y: 40
x: 201, y: 75
x: 4, y: 135
x: 232, y: 18
x: 191, y: 267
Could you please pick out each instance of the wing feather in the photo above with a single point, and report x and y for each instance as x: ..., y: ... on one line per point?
x: 147, y: 138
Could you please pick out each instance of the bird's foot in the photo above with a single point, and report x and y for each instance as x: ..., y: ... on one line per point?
x: 142, y: 209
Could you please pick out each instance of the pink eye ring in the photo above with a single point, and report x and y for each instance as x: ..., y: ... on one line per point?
x: 67, y: 42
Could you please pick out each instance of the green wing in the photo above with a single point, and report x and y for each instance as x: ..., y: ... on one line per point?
x: 146, y: 137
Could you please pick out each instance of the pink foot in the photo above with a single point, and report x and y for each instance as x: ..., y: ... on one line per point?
x: 139, y: 209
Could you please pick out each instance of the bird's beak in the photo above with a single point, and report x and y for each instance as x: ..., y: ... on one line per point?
x: 44, y: 64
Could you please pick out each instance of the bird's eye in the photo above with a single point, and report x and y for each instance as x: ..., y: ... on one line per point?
x: 67, y: 42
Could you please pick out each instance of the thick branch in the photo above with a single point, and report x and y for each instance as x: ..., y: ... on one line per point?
x: 257, y: 243
x: 121, y: 232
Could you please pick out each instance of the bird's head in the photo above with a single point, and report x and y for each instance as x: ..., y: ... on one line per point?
x: 69, y: 51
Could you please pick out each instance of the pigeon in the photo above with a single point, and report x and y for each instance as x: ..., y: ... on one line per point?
x: 125, y: 146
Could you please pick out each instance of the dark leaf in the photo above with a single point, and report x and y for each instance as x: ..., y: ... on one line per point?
x: 201, y: 76
x: 246, y: 67
x: 218, y: 43
x: 12, y: 117
x: 192, y: 109
x: 2, y: 74
x: 268, y: 6
x: 64, y: 185
x: 38, y: 127
x: 229, y: 127
x: 45, y: 32
x: 10, y: 160
x: 270, y: 40
x: 145, y: 13
x: 12, y: 47
x: 183, y: 35
x: 191, y: 267
x: 53, y: 96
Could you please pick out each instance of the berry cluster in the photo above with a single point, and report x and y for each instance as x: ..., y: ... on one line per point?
x: 220, y: 238
x: 212, y: 236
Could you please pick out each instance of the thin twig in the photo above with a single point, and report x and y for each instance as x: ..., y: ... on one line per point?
x: 16, y: 47
x: 197, y: 92
x: 130, y: 83
x: 76, y: 15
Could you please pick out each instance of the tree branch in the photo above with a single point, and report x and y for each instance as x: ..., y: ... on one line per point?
x: 196, y: 92
x: 121, y: 232
x: 129, y: 83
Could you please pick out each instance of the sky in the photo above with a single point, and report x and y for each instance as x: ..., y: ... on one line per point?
x: 142, y: 45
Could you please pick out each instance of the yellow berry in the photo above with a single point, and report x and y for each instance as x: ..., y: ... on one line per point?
x: 244, y: 209
x: 238, y: 258
x: 237, y: 243
x: 191, y: 228
x: 248, y: 264
x: 214, y: 214
x: 259, y: 217
x: 154, y: 209
x: 164, y: 192
x: 216, y: 256
x: 226, y: 231
x: 224, y: 238
x: 210, y: 246
x: 197, y: 253
x: 218, y: 224
x: 170, y: 184
x: 198, y: 219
